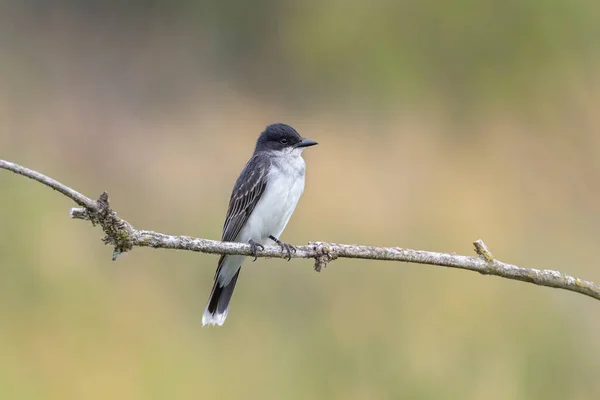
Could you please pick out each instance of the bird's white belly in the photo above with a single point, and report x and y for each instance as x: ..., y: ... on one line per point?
x: 273, y: 211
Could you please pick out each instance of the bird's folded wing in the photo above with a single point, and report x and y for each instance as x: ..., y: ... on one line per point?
x: 247, y: 191
x: 246, y: 194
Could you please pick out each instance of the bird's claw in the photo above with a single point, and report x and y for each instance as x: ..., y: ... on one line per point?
x: 288, y: 248
x: 254, y: 248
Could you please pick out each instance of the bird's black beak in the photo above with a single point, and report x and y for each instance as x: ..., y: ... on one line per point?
x: 306, y: 143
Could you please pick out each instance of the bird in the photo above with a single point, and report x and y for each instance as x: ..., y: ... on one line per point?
x: 263, y: 199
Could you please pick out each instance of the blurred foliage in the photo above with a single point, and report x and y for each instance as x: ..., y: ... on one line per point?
x: 439, y: 123
x: 379, y: 51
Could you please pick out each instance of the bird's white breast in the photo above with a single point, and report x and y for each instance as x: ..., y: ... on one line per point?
x: 285, y: 185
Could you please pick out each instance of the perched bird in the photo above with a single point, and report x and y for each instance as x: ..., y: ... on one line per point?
x: 261, y: 204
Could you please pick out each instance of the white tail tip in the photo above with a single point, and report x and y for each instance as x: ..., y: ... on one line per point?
x: 213, y: 319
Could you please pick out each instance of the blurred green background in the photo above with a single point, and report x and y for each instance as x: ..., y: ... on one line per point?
x: 439, y: 123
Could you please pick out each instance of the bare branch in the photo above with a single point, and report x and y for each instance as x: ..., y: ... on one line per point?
x: 67, y: 191
x: 123, y: 236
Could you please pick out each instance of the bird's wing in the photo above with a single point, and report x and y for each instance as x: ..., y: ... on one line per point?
x: 247, y: 191
x: 246, y: 194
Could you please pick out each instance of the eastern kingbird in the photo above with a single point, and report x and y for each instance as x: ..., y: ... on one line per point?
x: 261, y: 204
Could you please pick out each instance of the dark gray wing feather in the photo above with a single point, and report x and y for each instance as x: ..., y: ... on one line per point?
x: 247, y: 191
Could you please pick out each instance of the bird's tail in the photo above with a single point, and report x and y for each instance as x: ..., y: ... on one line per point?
x: 218, y: 302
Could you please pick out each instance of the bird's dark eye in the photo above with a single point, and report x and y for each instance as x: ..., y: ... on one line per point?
x: 283, y: 141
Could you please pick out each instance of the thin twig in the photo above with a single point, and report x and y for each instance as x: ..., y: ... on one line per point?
x: 123, y: 236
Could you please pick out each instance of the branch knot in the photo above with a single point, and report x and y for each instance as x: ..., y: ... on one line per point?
x: 482, y: 250
x: 324, y: 254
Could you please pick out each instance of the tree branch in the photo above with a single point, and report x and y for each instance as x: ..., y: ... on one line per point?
x: 123, y: 237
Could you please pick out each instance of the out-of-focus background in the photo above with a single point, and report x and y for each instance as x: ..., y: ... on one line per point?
x: 439, y: 123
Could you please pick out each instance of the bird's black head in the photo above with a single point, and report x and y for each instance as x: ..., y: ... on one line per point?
x: 277, y: 137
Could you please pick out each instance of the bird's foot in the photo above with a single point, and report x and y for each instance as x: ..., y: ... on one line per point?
x: 254, y: 248
x: 288, y: 248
